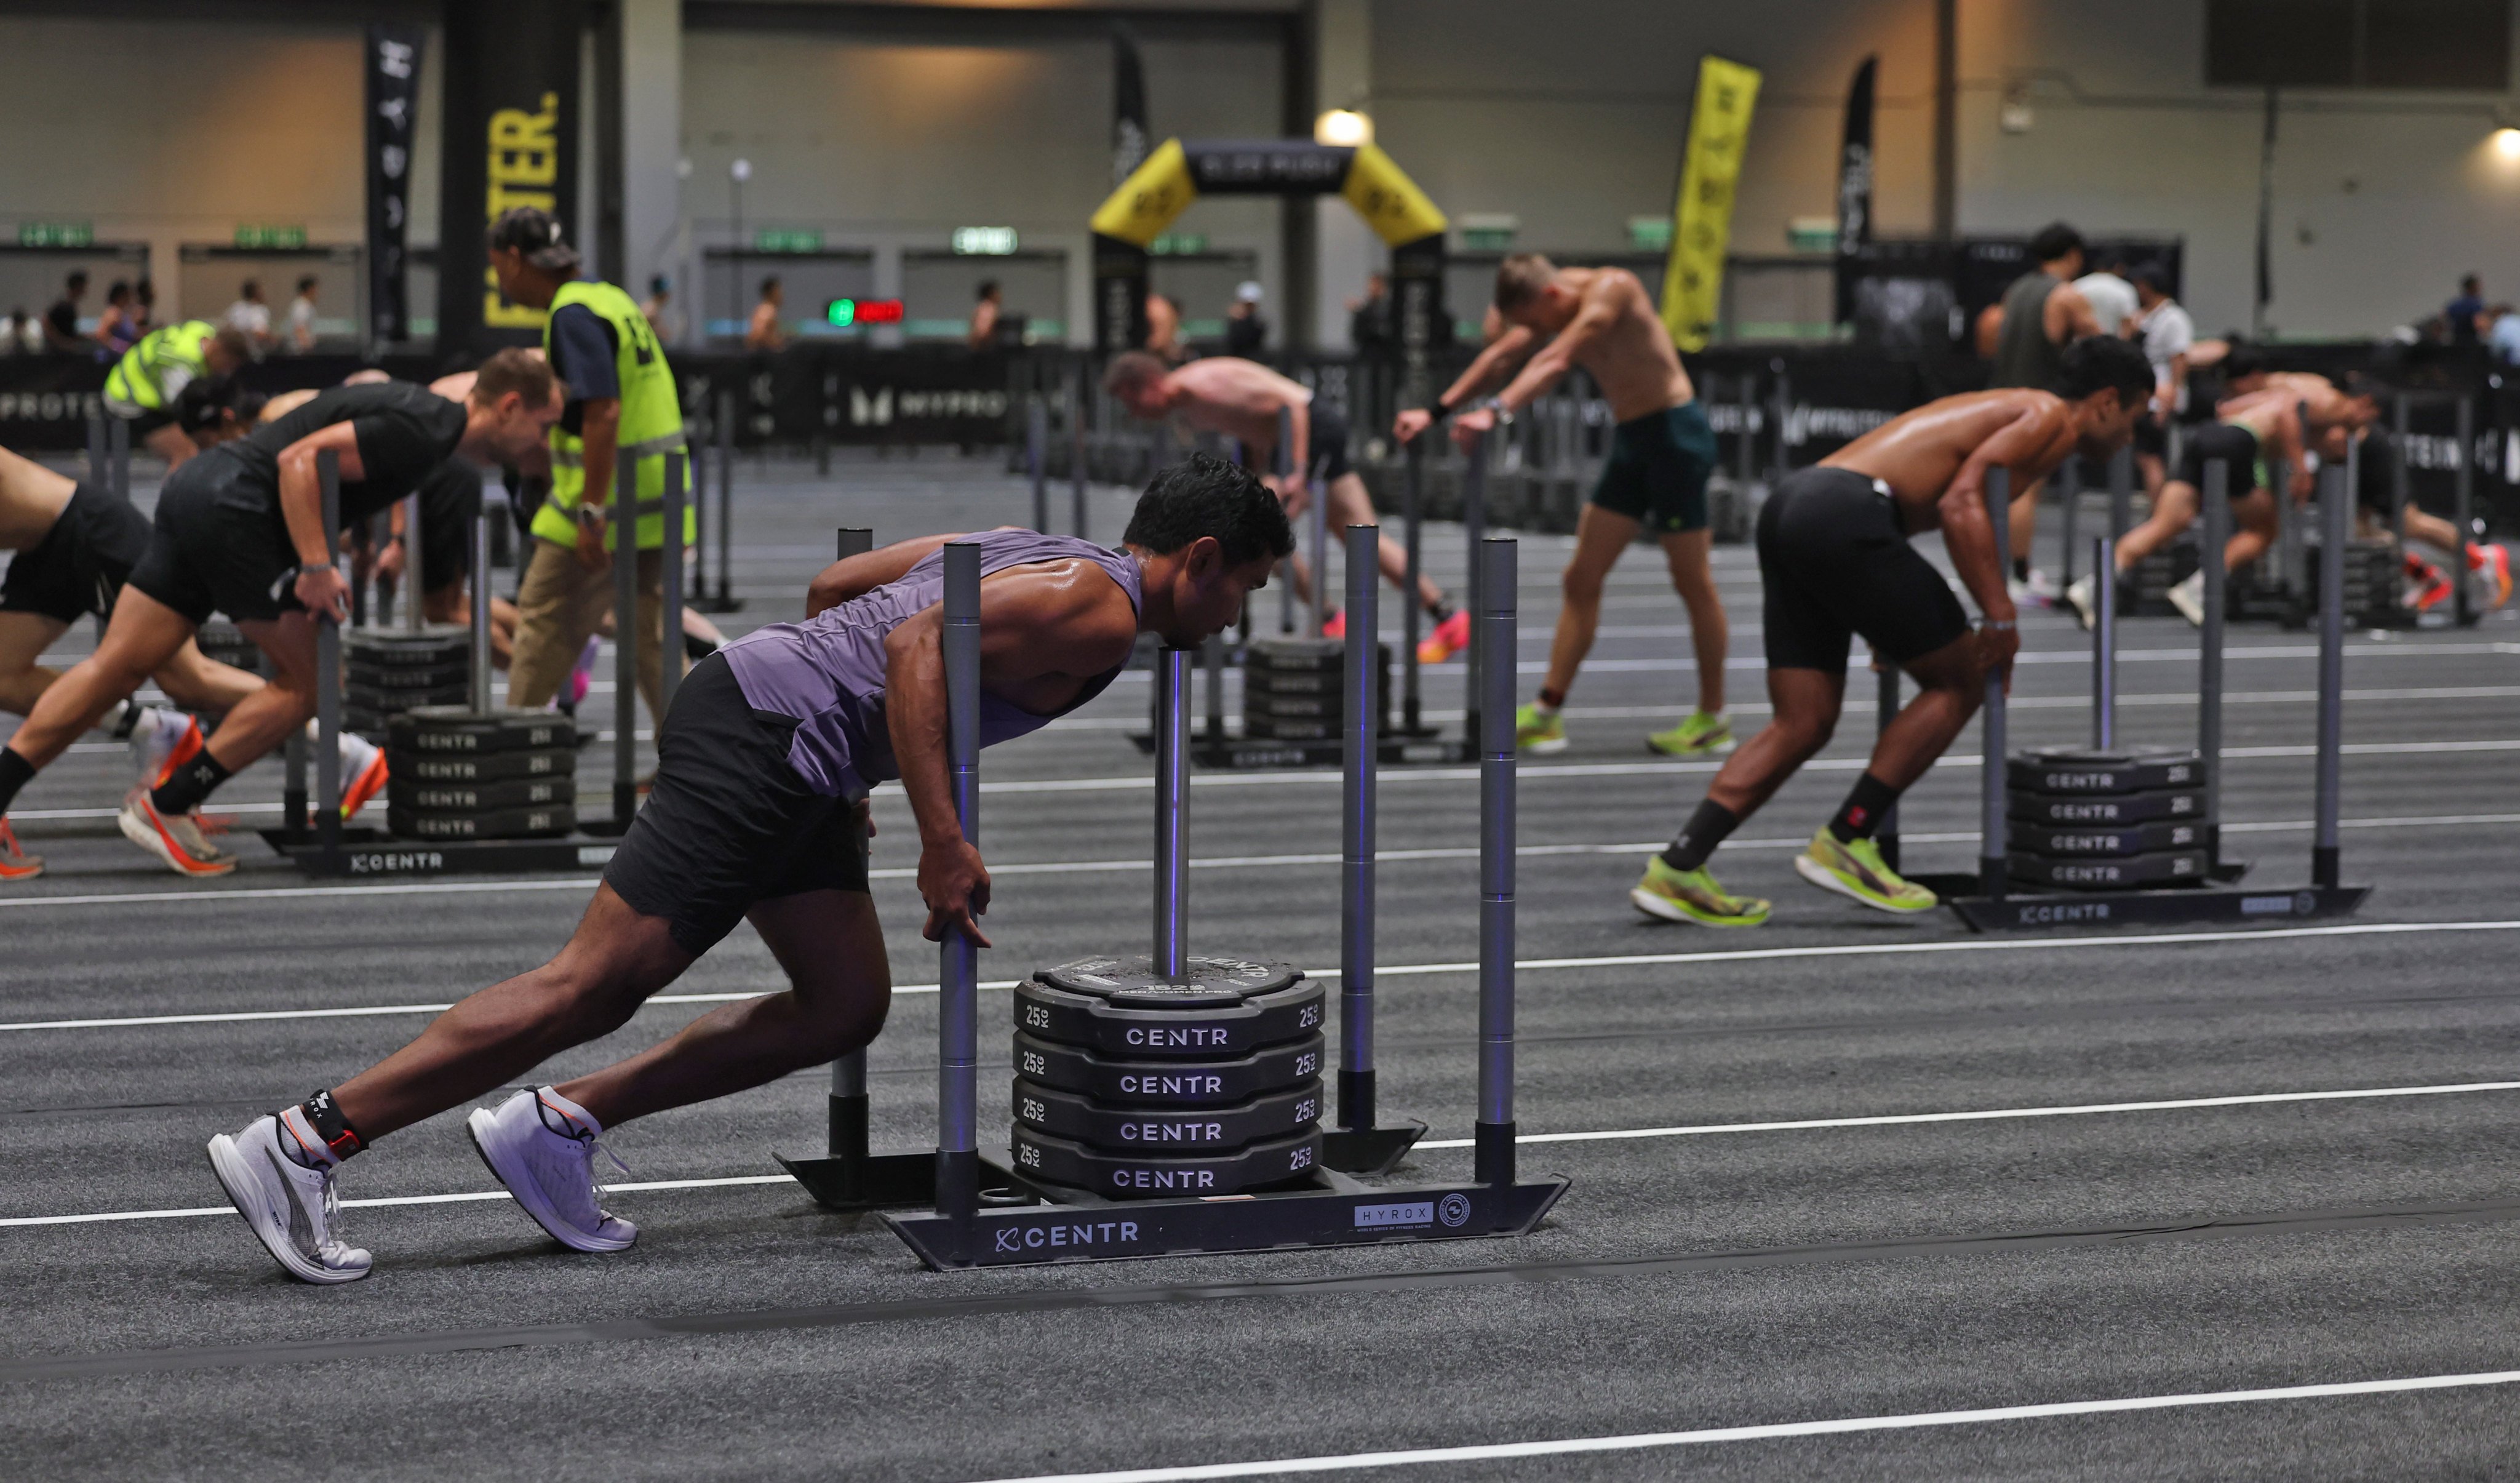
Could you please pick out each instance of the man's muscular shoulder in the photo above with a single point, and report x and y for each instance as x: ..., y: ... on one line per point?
x: 1069, y: 614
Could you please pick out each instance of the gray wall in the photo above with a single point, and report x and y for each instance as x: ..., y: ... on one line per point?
x: 892, y: 144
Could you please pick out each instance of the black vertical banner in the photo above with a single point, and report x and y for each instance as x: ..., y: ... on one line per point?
x: 1855, y: 186
x: 510, y: 140
x: 1419, y: 316
x: 393, y: 97
x: 1129, y: 137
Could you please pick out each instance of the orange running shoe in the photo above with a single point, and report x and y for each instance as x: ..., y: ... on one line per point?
x: 2492, y: 565
x: 176, y: 839
x: 15, y: 863
x: 1336, y: 625
x: 363, y: 773
x: 184, y: 746
x: 1450, y: 638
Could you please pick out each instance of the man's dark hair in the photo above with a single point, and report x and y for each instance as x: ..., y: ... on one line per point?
x: 78, y: 283
x: 1207, y: 496
x: 306, y: 282
x: 513, y: 370
x: 769, y: 283
x: 250, y: 287
x: 2155, y: 277
x: 2242, y: 361
x: 2469, y: 283
x: 2054, y: 240
x: 988, y: 287
x: 121, y: 290
x: 2096, y: 363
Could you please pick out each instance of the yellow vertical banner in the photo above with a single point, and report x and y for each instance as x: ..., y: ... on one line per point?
x: 1719, y: 131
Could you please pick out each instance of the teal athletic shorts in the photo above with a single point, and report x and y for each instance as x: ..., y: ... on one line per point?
x: 1657, y: 471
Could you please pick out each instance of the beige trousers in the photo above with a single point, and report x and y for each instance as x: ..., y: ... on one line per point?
x: 561, y: 605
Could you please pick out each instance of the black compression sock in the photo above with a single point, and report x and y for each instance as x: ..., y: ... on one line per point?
x: 124, y: 724
x: 15, y: 772
x: 318, y: 1121
x: 1706, y: 829
x: 2021, y: 568
x: 1864, y: 809
x: 190, y: 784
x: 1440, y: 609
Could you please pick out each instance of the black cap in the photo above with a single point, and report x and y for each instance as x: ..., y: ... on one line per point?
x: 535, y: 233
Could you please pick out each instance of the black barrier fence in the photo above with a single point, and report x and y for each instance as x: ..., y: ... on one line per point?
x: 1773, y: 409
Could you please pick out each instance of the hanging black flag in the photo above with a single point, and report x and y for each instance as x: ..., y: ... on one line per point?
x: 510, y: 140
x: 1128, y: 105
x: 393, y: 96
x: 1855, y: 186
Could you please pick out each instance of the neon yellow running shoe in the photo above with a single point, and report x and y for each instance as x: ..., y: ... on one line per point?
x: 1856, y: 869
x: 1534, y: 732
x: 1693, y: 896
x: 1701, y: 735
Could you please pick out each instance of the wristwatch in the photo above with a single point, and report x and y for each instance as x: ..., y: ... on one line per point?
x: 1503, y: 413
x: 591, y: 517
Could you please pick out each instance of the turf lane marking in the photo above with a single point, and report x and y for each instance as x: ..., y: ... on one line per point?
x: 1210, y: 863
x: 1411, y: 969
x: 1992, y: 1114
x: 1608, y: 1135
x: 1774, y: 1431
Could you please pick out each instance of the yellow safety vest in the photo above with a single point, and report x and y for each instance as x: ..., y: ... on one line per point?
x: 138, y: 378
x: 652, y: 426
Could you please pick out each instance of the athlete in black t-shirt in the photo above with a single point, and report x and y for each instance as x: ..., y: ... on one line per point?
x: 240, y: 530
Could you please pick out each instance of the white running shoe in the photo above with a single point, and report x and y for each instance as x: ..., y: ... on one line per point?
x: 289, y: 1207
x: 2084, y: 595
x: 175, y: 838
x: 363, y: 773
x: 163, y: 735
x: 2188, y: 597
x: 544, y: 1152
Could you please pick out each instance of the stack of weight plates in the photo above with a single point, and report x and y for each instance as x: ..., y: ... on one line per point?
x: 2086, y: 820
x: 455, y: 773
x: 1291, y: 688
x: 2372, y: 581
x: 392, y: 670
x: 2149, y: 584
x: 1137, y: 1085
x: 220, y: 641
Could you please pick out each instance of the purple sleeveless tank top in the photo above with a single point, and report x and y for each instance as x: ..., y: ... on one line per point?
x: 828, y: 672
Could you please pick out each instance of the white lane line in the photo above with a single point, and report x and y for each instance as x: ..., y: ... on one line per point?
x: 1211, y: 863
x: 1602, y: 1135
x: 1992, y: 1114
x: 1837, y: 1427
x: 1414, y: 969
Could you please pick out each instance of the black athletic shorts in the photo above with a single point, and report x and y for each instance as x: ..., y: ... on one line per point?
x: 219, y: 546
x: 1326, y: 456
x: 1657, y: 468
x: 2376, y: 486
x: 450, y: 500
x: 729, y: 822
x: 2235, y: 446
x: 1835, y: 563
x: 81, y: 563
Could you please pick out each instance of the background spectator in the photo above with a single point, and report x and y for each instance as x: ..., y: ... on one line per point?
x: 1246, y: 334
x: 983, y: 331
x: 1163, y: 328
x: 2503, y: 337
x: 144, y: 306
x: 2111, y: 297
x: 251, y: 317
x: 118, y: 329
x: 301, y: 315
x: 62, y: 320
x: 765, y: 332
x: 657, y: 308
x: 2461, y: 313
x: 1368, y: 319
x: 24, y: 334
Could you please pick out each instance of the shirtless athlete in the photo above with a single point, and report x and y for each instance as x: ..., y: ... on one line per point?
x: 1654, y: 478
x: 1241, y: 399
x: 1835, y: 558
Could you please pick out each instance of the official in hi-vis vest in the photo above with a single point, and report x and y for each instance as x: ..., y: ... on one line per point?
x: 143, y: 386
x: 622, y: 405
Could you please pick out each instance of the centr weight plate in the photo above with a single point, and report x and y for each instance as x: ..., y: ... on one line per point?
x: 489, y: 824
x: 2106, y: 810
x: 1121, y: 1007
x: 1168, y: 1131
x: 2091, y: 770
x: 1140, y: 1176
x: 2125, y: 873
x: 1189, y: 1084
x: 2083, y: 843
x: 452, y: 731
x: 431, y: 767
x: 479, y: 797
x: 1329, y: 655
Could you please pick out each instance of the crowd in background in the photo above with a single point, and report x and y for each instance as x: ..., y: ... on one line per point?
x: 130, y: 311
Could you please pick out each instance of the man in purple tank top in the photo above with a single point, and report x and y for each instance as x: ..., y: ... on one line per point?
x: 759, y: 814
